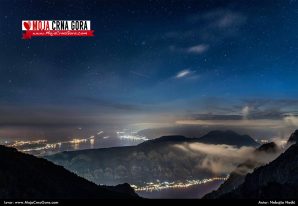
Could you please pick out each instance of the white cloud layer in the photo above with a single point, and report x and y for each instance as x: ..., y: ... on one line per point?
x: 198, y: 49
x: 221, y: 159
x: 182, y: 73
x: 186, y: 73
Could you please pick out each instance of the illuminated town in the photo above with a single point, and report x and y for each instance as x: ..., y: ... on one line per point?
x: 157, y: 186
x: 42, y: 145
x: 19, y: 143
x: 130, y: 135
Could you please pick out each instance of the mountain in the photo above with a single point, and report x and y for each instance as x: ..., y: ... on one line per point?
x: 158, y: 159
x: 168, y: 140
x: 152, y: 160
x: 229, y: 138
x: 293, y: 138
x: 267, y: 152
x: 24, y: 176
x: 270, y: 147
x: 275, y: 180
x: 278, y: 179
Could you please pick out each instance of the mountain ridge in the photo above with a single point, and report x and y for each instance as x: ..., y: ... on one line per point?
x: 160, y: 157
x: 25, y: 176
x: 228, y: 137
x: 237, y: 177
x: 276, y: 179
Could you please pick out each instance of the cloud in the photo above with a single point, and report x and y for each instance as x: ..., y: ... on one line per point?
x: 291, y: 120
x: 186, y: 74
x: 235, y: 123
x: 268, y: 108
x: 182, y: 73
x: 198, y: 49
x: 222, y: 18
x: 215, y: 20
x: 230, y: 19
x: 210, y: 26
x: 276, y: 103
x: 217, y: 159
x: 220, y: 159
x: 245, y: 111
x: 248, y: 109
x: 139, y: 74
x: 264, y: 119
x: 195, y: 49
x: 212, y: 116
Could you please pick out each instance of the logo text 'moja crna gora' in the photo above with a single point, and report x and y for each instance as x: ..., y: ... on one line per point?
x: 38, y: 25
x: 56, y: 28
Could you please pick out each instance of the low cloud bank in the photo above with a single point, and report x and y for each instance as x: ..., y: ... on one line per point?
x: 223, y: 159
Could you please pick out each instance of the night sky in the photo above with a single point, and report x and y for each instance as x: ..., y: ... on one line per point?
x: 155, y: 62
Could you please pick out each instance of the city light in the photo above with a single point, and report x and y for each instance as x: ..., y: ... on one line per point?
x: 19, y: 143
x: 264, y: 141
x: 157, y: 186
x: 43, y: 145
x: 128, y: 134
x: 77, y: 141
x: 133, y: 137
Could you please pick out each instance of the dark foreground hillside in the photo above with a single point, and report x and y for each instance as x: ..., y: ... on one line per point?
x: 24, y: 176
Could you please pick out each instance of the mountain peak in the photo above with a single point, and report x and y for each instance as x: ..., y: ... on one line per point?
x: 228, y: 137
x: 294, y: 137
x: 268, y: 147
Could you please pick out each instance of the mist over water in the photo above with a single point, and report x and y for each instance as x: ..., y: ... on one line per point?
x: 77, y: 137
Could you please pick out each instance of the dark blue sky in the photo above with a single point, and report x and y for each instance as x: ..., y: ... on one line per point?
x: 150, y: 61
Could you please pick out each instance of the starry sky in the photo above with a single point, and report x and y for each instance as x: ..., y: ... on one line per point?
x: 151, y: 61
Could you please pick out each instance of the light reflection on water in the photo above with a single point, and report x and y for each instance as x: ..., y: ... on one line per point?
x: 96, y: 138
x: 99, y: 139
x: 192, y: 192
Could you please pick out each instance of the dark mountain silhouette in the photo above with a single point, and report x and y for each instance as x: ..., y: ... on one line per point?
x: 124, y: 188
x: 229, y: 138
x: 169, y: 139
x: 293, y: 138
x: 276, y: 180
x: 237, y: 177
x: 214, y: 137
x: 24, y: 176
x: 157, y: 159
x: 270, y: 147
